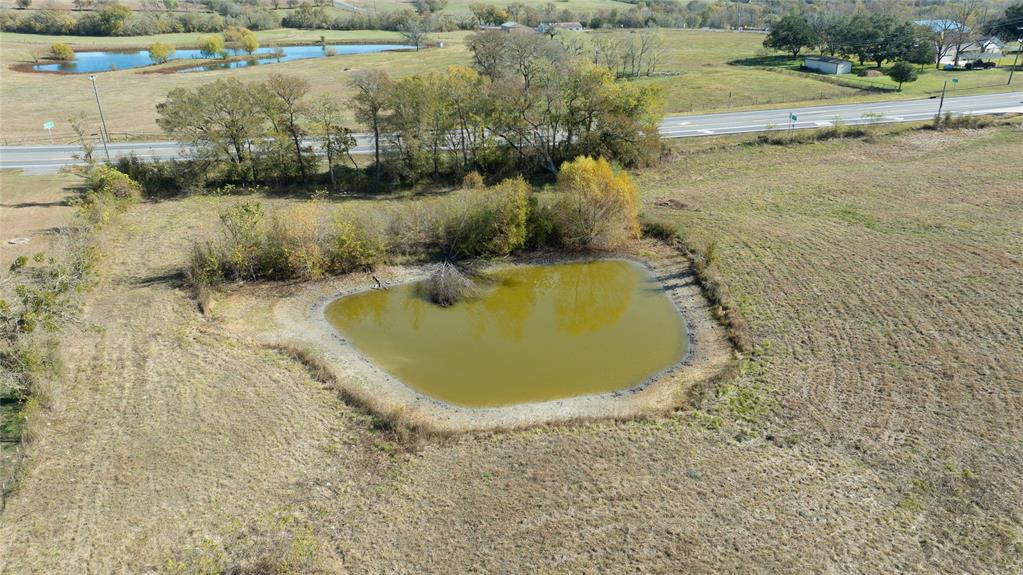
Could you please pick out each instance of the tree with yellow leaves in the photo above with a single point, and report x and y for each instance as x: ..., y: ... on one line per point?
x: 595, y: 208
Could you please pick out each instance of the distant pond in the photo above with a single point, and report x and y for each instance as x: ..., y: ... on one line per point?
x: 104, y: 61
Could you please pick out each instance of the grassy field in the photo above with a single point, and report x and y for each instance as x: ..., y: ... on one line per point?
x: 877, y: 429
x: 929, y: 83
x: 699, y: 78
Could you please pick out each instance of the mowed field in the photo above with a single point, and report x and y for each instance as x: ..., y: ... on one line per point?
x: 875, y: 431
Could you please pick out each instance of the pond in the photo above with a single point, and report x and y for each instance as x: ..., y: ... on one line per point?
x: 535, y: 333
x: 104, y: 61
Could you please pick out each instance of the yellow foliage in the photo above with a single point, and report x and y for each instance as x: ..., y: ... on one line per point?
x: 595, y: 208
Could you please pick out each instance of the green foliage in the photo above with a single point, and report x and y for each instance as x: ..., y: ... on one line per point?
x: 791, y: 33
x: 292, y: 244
x: 902, y: 72
x: 160, y: 52
x: 62, y: 51
x: 353, y: 244
x: 241, y: 39
x: 47, y: 292
x: 594, y: 207
x: 111, y: 18
x: 485, y: 222
x: 107, y: 191
x: 212, y: 46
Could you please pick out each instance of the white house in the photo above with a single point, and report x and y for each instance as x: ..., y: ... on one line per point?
x: 549, y: 27
x: 988, y: 48
x: 828, y: 65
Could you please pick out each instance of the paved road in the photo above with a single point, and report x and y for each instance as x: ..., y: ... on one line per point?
x: 48, y: 159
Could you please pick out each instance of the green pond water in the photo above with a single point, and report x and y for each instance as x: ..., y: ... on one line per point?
x: 534, y: 333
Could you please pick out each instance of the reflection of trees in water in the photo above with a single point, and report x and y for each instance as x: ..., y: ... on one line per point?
x: 592, y: 296
x: 514, y: 298
x: 415, y: 305
x: 354, y: 309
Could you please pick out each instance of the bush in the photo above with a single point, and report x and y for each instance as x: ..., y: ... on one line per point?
x: 291, y: 244
x: 485, y: 222
x: 108, y: 179
x: 595, y: 208
x: 61, y: 51
x: 448, y: 285
x: 107, y: 191
x: 212, y: 46
x: 160, y: 52
x: 353, y: 244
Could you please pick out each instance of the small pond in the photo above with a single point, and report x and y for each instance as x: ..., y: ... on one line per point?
x: 103, y: 61
x: 535, y: 333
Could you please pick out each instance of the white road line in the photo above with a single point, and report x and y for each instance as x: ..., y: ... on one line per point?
x: 706, y: 131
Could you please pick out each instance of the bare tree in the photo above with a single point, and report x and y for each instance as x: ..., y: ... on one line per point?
x: 964, y: 16
x: 415, y: 33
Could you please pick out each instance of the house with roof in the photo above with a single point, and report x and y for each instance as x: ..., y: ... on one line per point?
x: 552, y: 27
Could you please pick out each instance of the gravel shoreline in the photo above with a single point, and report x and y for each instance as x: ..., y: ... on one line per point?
x: 300, y: 322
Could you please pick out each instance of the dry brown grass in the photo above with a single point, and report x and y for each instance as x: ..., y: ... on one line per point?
x: 878, y: 431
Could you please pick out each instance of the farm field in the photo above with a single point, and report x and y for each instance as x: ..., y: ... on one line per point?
x: 875, y: 429
x: 698, y: 78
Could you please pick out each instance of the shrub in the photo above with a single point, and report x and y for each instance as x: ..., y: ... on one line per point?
x: 212, y: 46
x: 448, y: 285
x: 107, y: 191
x: 61, y: 51
x: 160, y: 52
x: 485, y: 222
x: 595, y: 208
x: 353, y: 244
x: 290, y: 244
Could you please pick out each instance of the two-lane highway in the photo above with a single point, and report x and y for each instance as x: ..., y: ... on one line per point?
x: 48, y: 159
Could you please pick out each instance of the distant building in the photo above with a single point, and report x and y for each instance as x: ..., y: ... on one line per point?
x: 551, y: 27
x: 940, y: 26
x: 828, y: 65
x: 988, y: 48
x: 515, y: 28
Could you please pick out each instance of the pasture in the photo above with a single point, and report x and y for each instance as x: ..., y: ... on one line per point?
x: 874, y: 428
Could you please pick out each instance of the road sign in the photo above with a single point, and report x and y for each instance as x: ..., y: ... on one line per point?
x: 955, y: 81
x: 48, y: 126
x: 793, y: 117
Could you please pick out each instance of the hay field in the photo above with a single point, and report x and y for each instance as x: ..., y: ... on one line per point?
x: 876, y: 430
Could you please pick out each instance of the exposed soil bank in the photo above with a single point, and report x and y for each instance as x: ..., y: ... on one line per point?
x: 298, y: 321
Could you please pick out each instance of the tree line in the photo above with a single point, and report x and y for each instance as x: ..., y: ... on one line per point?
x: 526, y: 106
x: 114, y: 19
x: 880, y: 36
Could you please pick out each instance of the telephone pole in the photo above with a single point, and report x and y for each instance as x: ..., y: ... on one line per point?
x: 941, y: 103
x: 103, y: 134
x: 1019, y: 48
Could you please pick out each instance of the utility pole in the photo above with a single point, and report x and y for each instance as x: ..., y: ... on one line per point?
x: 103, y: 134
x: 1019, y: 48
x: 941, y: 104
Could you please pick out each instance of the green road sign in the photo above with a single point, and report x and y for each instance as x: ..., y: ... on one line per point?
x: 793, y: 117
x: 48, y: 125
x: 955, y: 80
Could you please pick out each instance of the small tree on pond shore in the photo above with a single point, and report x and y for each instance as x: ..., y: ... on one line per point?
x: 415, y: 33
x: 212, y: 46
x: 902, y: 72
x: 160, y: 52
x: 595, y: 207
x: 61, y: 51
